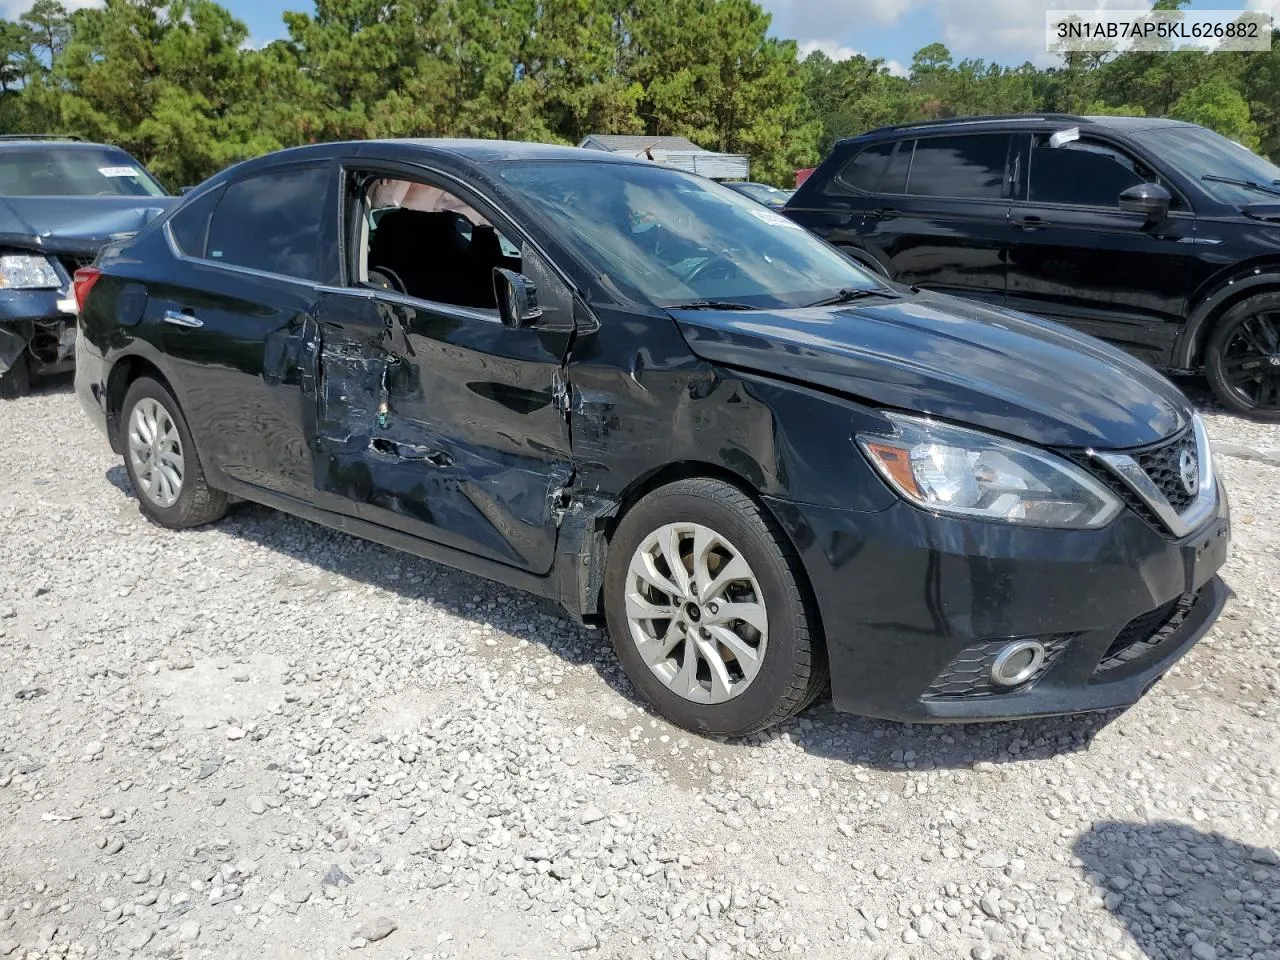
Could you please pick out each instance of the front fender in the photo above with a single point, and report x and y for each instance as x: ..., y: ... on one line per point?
x: 1188, y: 348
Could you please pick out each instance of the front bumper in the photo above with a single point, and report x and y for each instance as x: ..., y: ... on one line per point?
x: 910, y: 602
x: 41, y: 323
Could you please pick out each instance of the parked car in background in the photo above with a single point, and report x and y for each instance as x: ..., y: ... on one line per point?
x: 60, y: 201
x: 673, y: 411
x: 1159, y: 236
x: 761, y: 192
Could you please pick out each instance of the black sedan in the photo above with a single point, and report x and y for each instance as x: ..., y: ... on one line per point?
x: 60, y: 201
x: 673, y: 411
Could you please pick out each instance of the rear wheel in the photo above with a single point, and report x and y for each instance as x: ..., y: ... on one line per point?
x: 1242, y: 359
x: 706, y: 610
x: 16, y: 381
x: 162, y: 462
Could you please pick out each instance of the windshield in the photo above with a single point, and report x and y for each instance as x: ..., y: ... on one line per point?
x: 762, y: 192
x: 673, y: 238
x: 1197, y: 152
x: 62, y: 171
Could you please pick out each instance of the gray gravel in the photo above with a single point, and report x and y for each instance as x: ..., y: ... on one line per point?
x: 265, y: 739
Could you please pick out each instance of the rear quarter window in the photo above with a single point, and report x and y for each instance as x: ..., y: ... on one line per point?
x: 862, y: 172
x: 189, y: 225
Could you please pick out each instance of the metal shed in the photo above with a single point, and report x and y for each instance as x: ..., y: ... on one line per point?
x: 679, y: 152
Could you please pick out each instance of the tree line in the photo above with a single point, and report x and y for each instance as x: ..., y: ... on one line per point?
x: 176, y: 83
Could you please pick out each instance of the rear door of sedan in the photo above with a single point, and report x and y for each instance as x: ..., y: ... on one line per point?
x: 236, y: 318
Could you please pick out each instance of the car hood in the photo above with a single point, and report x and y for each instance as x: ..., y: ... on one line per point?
x: 956, y: 360
x: 77, y: 226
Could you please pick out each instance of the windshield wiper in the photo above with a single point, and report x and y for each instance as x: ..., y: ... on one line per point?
x: 709, y: 305
x: 1272, y: 188
x: 850, y: 294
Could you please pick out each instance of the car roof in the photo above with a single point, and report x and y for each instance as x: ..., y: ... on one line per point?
x: 11, y: 142
x: 1018, y: 121
x: 475, y: 151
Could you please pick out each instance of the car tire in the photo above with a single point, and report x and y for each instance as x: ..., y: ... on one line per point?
x: 740, y: 541
x: 162, y: 461
x: 1236, y: 349
x: 16, y: 381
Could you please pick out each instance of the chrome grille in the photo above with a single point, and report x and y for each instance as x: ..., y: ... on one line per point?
x: 1162, y: 465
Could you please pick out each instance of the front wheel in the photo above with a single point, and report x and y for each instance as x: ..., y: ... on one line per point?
x: 1242, y: 359
x: 707, y: 612
x: 16, y: 381
x: 162, y: 462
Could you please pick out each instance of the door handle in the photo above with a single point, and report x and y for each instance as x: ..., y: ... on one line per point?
x: 1031, y: 223
x: 182, y: 319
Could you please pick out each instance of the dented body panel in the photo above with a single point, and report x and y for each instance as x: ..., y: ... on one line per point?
x: 443, y: 423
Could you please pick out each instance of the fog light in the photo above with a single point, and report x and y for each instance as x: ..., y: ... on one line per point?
x: 1017, y: 663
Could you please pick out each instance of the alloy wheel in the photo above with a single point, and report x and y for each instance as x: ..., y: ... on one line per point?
x: 155, y: 452
x: 696, y: 613
x: 1251, y: 361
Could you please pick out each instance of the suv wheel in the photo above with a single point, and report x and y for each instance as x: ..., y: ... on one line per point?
x: 162, y: 462
x: 16, y: 381
x: 1242, y: 359
x: 706, y: 612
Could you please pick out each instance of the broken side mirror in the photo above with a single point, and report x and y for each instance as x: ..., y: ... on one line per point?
x: 1149, y: 199
x: 517, y: 298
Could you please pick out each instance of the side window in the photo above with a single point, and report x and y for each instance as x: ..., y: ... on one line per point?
x: 190, y: 224
x: 1085, y: 172
x: 895, y: 174
x: 271, y: 222
x: 861, y: 173
x: 425, y: 242
x: 970, y: 166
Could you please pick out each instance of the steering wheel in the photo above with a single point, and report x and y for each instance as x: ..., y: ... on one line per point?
x: 718, y: 267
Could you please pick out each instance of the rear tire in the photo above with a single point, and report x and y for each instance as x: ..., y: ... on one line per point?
x: 741, y: 679
x: 16, y: 381
x: 1242, y: 358
x: 162, y: 461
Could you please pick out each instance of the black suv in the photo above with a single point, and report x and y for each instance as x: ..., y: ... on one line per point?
x: 1159, y: 236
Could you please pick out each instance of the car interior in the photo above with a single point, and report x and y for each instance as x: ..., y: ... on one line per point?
x: 426, y: 243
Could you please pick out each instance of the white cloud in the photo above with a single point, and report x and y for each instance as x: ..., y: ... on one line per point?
x: 1007, y: 31
x: 12, y: 9
x: 837, y: 52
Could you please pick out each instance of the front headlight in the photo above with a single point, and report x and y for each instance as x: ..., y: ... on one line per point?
x: 953, y: 470
x: 22, y: 271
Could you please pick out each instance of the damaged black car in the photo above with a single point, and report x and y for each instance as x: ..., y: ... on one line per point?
x: 672, y: 411
x: 60, y: 201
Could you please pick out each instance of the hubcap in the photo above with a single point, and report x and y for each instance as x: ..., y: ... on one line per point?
x: 155, y: 453
x: 1251, y: 361
x: 696, y: 612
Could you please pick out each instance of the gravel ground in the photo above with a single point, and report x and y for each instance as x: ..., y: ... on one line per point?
x: 267, y: 740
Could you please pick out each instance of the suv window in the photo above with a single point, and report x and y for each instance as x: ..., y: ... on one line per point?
x: 862, y: 171
x: 190, y: 224
x: 271, y: 222
x: 969, y: 166
x: 1085, y: 172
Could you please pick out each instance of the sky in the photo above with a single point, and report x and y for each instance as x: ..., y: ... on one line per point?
x: 1002, y: 31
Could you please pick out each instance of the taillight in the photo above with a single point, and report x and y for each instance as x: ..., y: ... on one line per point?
x: 82, y: 283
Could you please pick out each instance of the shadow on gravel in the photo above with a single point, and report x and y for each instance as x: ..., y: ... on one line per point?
x: 820, y: 730
x: 54, y: 384
x: 1183, y: 893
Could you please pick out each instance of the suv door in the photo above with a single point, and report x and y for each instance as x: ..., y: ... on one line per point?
x: 236, y: 320
x: 433, y: 417
x: 934, y: 209
x: 1082, y: 260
